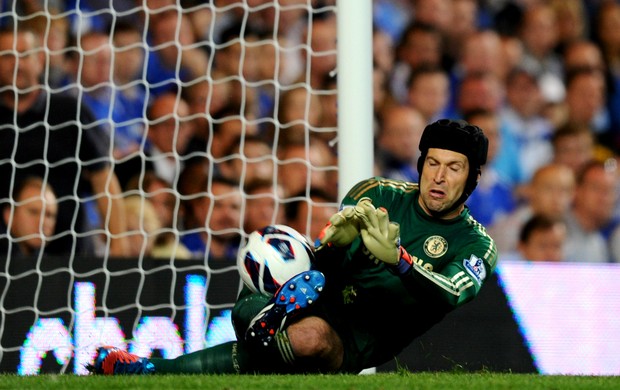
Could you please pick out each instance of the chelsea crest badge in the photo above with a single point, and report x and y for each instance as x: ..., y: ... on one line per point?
x: 435, y: 246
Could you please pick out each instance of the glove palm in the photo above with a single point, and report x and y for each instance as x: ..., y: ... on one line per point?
x: 380, y: 236
x: 341, y: 229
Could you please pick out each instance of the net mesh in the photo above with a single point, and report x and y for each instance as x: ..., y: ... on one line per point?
x: 140, y: 144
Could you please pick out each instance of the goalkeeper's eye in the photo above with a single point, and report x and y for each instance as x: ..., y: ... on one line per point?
x: 456, y: 168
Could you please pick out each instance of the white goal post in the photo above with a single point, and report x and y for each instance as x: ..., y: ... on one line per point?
x: 355, y: 107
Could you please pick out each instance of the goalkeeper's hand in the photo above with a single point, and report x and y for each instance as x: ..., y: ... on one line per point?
x: 342, y: 228
x: 382, y: 237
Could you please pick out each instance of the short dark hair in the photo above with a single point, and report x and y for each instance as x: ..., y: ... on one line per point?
x: 536, y: 223
x: 423, y: 70
x: 27, y: 181
x: 570, y: 129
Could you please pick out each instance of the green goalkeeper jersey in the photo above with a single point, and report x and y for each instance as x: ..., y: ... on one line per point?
x: 378, y: 311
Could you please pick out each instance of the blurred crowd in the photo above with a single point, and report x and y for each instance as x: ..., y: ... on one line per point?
x: 193, y: 123
x: 540, y: 77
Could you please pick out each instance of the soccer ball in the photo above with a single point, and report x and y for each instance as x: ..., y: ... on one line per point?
x: 271, y: 256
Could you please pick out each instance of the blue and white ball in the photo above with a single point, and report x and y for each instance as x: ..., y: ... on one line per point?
x: 271, y: 256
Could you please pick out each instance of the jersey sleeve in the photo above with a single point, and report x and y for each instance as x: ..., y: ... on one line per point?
x: 458, y: 282
x: 381, y: 190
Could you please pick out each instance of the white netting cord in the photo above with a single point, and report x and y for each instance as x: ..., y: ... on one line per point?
x: 244, y: 132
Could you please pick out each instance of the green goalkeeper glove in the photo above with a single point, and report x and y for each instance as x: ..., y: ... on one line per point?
x: 343, y: 227
x: 381, y: 237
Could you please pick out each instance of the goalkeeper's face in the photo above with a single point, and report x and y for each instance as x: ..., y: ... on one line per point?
x: 443, y: 181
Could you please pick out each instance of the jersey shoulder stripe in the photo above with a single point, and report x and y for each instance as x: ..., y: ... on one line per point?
x: 358, y: 191
x: 362, y: 187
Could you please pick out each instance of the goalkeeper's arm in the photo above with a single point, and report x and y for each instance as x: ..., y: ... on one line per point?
x: 459, y: 282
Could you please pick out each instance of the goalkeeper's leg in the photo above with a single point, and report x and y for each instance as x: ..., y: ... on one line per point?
x: 308, y: 345
x: 227, y: 358
x: 285, y: 334
x: 298, y: 343
x: 317, y: 349
x: 231, y: 357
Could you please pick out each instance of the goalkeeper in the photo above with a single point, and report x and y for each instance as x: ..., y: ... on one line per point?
x: 392, y: 263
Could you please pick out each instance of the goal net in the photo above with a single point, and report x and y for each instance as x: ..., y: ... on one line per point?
x: 140, y: 143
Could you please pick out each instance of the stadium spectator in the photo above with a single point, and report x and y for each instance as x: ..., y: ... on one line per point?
x: 131, y: 99
x: 228, y: 128
x: 263, y: 205
x: 542, y: 239
x: 605, y: 28
x: 143, y: 225
x: 585, y: 102
x: 371, y: 282
x: 167, y: 206
x: 574, y: 146
x: 305, y: 165
x: 572, y: 22
x: 464, y: 24
x: 494, y: 196
x: 522, y: 117
x: 85, y: 167
x: 328, y: 97
x: 429, y: 92
x: 208, y: 98
x: 28, y: 222
x: 511, y: 52
x: 420, y: 44
x: 308, y: 214
x: 586, y: 56
x: 392, y: 17
x: 605, y: 31
x: 53, y: 32
x: 273, y: 65
x: 382, y: 50
x: 289, y: 19
x: 102, y: 73
x: 550, y: 193
x: 89, y: 64
x: 237, y: 61
x: 94, y: 16
x: 174, y: 54
x: 539, y: 33
x: 592, y: 212
x: 400, y: 129
x: 299, y: 114
x: 249, y: 158
x: 480, y: 91
x: 482, y: 53
x: 486, y: 92
x: 320, y: 57
x: 213, y: 221
x: 381, y: 96
x: 582, y: 54
x: 436, y: 13
x: 169, y: 133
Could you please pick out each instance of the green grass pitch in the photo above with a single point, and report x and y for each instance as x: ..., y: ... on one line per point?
x: 387, y: 381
